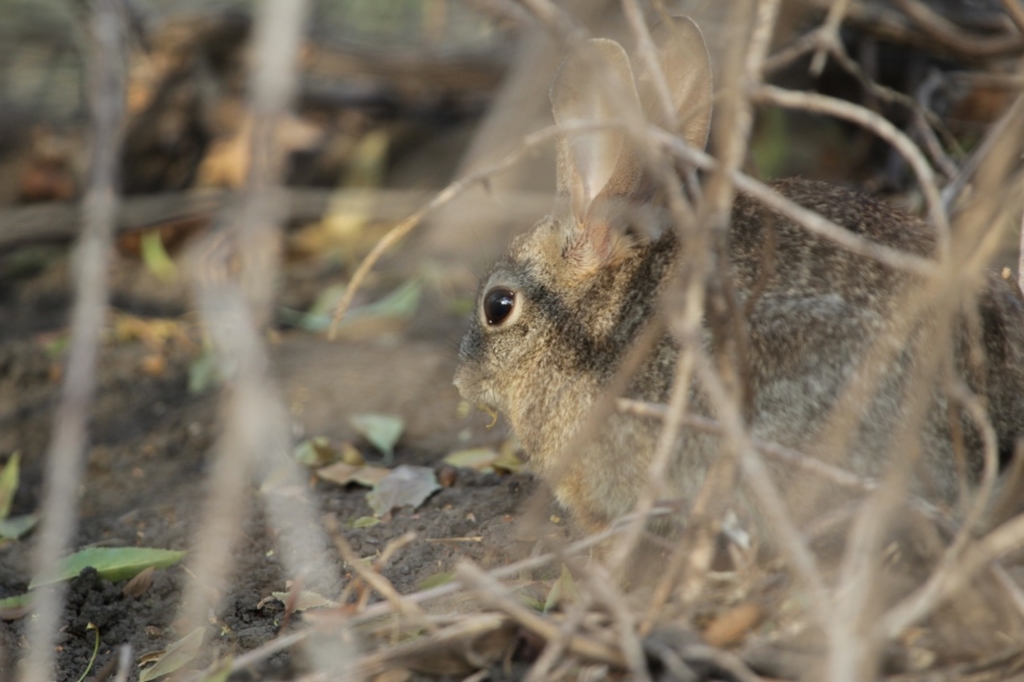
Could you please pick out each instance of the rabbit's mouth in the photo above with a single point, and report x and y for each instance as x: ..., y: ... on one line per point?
x: 473, y: 388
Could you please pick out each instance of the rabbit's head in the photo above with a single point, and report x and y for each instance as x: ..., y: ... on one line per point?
x: 555, y: 317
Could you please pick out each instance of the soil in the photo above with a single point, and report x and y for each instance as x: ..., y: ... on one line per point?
x: 152, y: 448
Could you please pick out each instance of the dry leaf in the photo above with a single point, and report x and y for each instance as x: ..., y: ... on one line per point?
x: 306, y: 599
x: 479, y: 459
x: 343, y: 474
x: 733, y: 625
x: 140, y: 584
x: 405, y: 486
x: 175, y: 656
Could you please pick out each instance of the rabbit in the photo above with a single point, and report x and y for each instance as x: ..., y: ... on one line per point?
x: 557, y: 315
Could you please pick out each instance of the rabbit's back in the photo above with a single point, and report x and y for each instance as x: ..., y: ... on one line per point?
x: 823, y: 322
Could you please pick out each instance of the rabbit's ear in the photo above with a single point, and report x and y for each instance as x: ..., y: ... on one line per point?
x: 595, y: 85
x: 686, y: 65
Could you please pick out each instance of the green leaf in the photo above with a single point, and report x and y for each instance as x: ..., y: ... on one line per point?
x: 400, y: 304
x: 203, y: 373
x: 16, y: 526
x: 9, y: 484
x: 315, y: 452
x: 367, y: 163
x: 435, y: 580
x: 18, y: 601
x: 176, y: 655
x: 155, y: 257
x: 381, y: 430
x: 56, y: 347
x: 365, y: 522
x: 562, y: 590
x: 112, y: 563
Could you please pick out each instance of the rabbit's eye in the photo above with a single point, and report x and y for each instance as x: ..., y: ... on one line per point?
x: 498, y: 305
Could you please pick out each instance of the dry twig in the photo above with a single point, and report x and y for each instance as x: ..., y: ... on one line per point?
x: 382, y: 585
x: 493, y: 593
x: 885, y: 130
x: 234, y: 304
x: 67, y: 447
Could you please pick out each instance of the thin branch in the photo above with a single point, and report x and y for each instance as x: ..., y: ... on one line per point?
x: 1020, y: 257
x: 124, y: 663
x: 382, y: 585
x: 554, y: 648
x: 828, y: 36
x: 950, y: 577
x: 67, y: 447
x: 467, y: 629
x: 234, y: 304
x: 809, y: 220
x: 994, y: 136
x: 781, y: 453
x: 648, y: 54
x: 704, y: 243
x: 881, y: 127
x: 1016, y: 12
x: 380, y: 609
x: 402, y: 229
x: 758, y: 481
x: 491, y: 592
x: 949, y: 34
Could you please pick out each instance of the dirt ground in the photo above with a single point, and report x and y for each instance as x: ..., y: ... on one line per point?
x: 151, y: 452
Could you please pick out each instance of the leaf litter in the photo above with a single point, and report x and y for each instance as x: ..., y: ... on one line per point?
x: 382, y: 431
x: 175, y: 656
x: 405, y: 486
x: 111, y: 563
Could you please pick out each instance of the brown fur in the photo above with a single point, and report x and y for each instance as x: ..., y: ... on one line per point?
x: 585, y: 289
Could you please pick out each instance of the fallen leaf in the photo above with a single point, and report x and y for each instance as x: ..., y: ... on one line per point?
x: 18, y: 606
x: 16, y: 526
x: 397, y: 306
x: 155, y: 258
x: 381, y: 430
x: 562, y: 590
x: 9, y: 484
x: 315, y: 452
x: 220, y: 671
x: 508, y: 460
x: 306, y: 600
x: 479, y: 459
x: 365, y: 522
x: 435, y: 580
x: 405, y: 486
x: 350, y: 454
x: 175, y: 656
x: 140, y: 584
x: 153, y: 365
x: 111, y: 563
x: 203, y: 373
x: 731, y: 626
x: 343, y: 474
